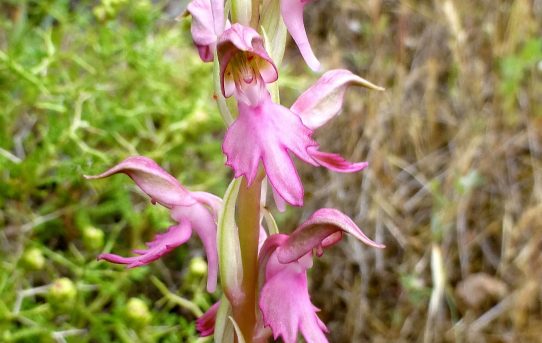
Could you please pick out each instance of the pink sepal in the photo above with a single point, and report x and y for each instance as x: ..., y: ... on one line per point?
x: 151, y: 179
x: 324, y: 99
x: 318, y: 232
x: 292, y: 14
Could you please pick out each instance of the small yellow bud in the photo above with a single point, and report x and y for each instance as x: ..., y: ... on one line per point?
x: 33, y: 259
x: 138, y: 312
x: 198, y: 266
x: 62, y: 292
x: 93, y: 238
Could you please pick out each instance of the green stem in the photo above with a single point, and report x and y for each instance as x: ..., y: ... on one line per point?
x: 255, y: 15
x: 248, y: 222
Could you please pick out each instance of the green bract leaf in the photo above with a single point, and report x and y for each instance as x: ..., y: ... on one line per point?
x: 274, y: 30
x: 223, y: 327
x: 230, y: 264
x: 270, y: 221
x: 238, y: 333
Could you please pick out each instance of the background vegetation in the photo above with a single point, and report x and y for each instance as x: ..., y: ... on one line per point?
x: 453, y: 189
x: 454, y: 186
x: 83, y: 85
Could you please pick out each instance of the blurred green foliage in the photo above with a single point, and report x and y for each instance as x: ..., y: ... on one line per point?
x: 83, y: 85
x: 515, y: 67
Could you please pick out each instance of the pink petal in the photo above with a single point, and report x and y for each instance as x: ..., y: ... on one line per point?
x: 239, y: 39
x: 285, y: 302
x: 336, y: 162
x: 292, y: 14
x: 279, y: 201
x: 315, y: 233
x: 203, y: 223
x: 161, y: 245
x: 206, y: 323
x: 269, y: 132
x: 324, y: 100
x: 207, y: 24
x: 153, y: 180
x: 211, y: 201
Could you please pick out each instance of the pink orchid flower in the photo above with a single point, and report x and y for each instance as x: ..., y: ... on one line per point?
x: 268, y: 132
x: 208, y: 23
x: 284, y: 261
x: 283, y: 264
x: 193, y: 211
x: 292, y: 14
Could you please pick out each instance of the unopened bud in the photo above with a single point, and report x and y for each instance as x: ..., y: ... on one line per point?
x: 62, y: 291
x: 138, y: 312
x: 93, y: 238
x: 33, y: 259
x: 198, y: 266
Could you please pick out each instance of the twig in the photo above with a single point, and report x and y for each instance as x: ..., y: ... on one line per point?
x: 187, y: 304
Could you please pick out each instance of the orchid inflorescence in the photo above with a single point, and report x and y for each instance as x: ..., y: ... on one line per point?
x: 263, y: 273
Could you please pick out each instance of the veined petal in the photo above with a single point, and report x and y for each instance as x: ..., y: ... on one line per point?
x: 336, y: 162
x: 203, y: 223
x: 269, y: 132
x: 208, y: 23
x: 292, y: 14
x: 206, y: 323
x: 319, y: 232
x: 152, y: 179
x: 324, y: 100
x: 161, y: 245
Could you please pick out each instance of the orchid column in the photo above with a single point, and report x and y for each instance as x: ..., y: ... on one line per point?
x: 263, y: 274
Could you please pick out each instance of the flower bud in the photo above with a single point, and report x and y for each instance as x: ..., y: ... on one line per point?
x: 137, y: 311
x: 198, y: 267
x: 33, y: 259
x: 62, y: 292
x: 93, y: 238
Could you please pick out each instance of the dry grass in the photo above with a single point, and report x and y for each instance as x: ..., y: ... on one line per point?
x: 454, y: 187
